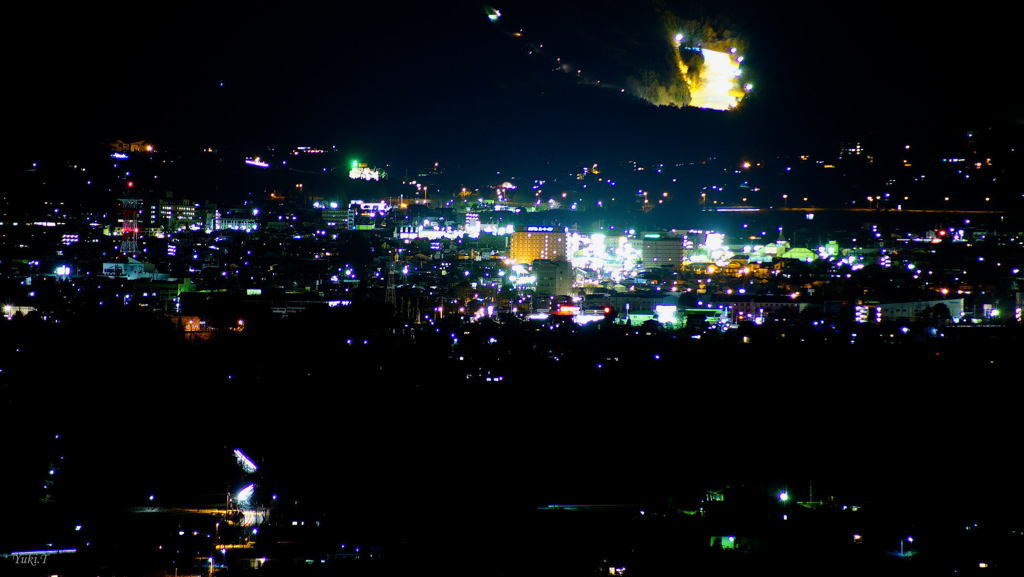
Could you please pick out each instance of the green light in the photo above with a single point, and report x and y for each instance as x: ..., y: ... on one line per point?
x: 355, y: 164
x: 783, y: 496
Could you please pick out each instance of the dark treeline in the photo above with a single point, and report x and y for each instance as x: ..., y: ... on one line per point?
x: 357, y: 399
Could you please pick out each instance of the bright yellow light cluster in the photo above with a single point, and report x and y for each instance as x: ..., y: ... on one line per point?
x: 718, y: 85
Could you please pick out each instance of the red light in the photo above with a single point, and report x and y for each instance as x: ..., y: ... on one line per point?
x: 131, y: 184
x: 607, y: 310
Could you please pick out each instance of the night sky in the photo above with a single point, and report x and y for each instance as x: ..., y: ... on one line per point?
x: 421, y: 81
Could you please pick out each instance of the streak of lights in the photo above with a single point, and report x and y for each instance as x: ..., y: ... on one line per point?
x: 245, y: 462
x: 245, y: 495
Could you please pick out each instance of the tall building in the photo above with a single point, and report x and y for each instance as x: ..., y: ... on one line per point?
x: 554, y: 277
x: 662, y: 250
x: 539, y: 243
x: 175, y: 215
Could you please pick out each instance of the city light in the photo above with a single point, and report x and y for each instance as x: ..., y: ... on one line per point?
x: 715, y: 86
x: 503, y: 266
x: 666, y: 314
x: 362, y: 171
x: 245, y: 494
x: 245, y: 462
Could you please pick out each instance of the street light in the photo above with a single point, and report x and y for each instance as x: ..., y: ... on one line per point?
x: 908, y: 540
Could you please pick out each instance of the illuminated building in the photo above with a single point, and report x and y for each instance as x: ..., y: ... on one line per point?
x: 160, y: 291
x: 712, y: 249
x: 554, y: 277
x: 472, y: 227
x: 909, y: 311
x: 637, y: 307
x: 173, y: 216
x: 307, y: 150
x: 131, y: 269
x: 867, y: 314
x: 189, y: 324
x: 363, y: 215
x: 539, y: 243
x: 662, y: 251
x: 231, y: 219
x: 757, y: 308
x: 798, y: 253
x: 404, y: 202
x: 851, y: 149
x: 363, y: 171
x: 736, y: 267
x: 334, y: 216
x: 137, y: 146
x: 369, y: 207
x: 600, y: 257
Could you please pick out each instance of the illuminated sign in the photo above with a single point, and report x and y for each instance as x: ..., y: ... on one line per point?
x: 566, y: 310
